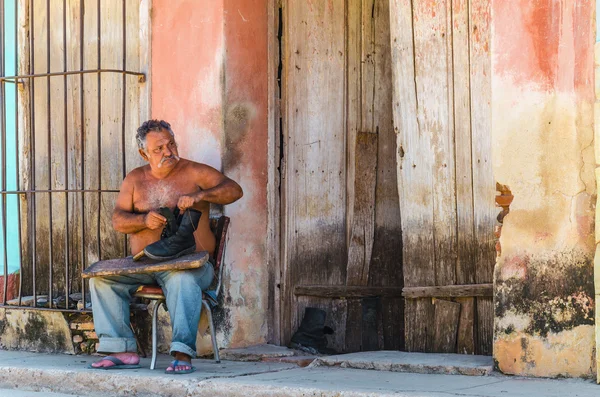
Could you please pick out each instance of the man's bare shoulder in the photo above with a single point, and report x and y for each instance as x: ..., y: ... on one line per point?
x: 136, y: 174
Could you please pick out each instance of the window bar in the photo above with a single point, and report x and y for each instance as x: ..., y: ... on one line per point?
x: 49, y: 137
x: 3, y: 139
x: 17, y: 162
x: 124, y: 107
x: 99, y: 138
x: 33, y: 212
x: 15, y: 79
x: 59, y: 191
x: 67, y: 239
x: 82, y: 138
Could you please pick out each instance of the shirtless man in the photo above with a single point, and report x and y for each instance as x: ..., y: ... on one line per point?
x: 166, y: 181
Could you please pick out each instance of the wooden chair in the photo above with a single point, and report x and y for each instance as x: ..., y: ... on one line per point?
x: 209, y: 298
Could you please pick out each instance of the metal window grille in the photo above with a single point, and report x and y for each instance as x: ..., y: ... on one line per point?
x: 21, y: 189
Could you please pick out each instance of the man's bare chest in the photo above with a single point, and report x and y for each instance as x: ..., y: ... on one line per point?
x: 151, y: 195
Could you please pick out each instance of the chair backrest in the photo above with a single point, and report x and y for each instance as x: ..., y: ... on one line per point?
x: 219, y: 226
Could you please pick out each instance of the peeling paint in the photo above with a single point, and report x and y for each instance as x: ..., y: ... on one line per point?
x: 543, y: 148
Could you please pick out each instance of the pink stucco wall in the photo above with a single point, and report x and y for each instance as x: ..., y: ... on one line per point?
x: 543, y: 150
x: 209, y: 79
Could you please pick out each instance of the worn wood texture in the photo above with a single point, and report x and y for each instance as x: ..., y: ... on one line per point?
x: 85, y: 149
x: 340, y: 215
x: 419, y: 336
x: 415, y: 178
x: 446, y: 326
x: 440, y: 53
x: 370, y: 324
x: 464, y: 290
x: 465, y: 264
x: 25, y: 146
x: 120, y: 266
x: 386, y: 257
x: 465, y: 343
x: 484, y: 193
x: 314, y: 205
x: 334, y: 291
x: 354, y: 329
x: 363, y: 227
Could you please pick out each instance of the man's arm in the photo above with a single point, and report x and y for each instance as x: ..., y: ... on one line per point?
x: 124, y: 220
x: 216, y: 188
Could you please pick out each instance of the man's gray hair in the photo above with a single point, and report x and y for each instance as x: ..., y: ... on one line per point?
x: 150, y: 126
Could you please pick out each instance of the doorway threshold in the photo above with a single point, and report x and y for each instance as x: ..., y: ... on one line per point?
x: 422, y: 363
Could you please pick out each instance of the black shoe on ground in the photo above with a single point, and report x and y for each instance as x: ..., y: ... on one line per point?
x: 310, y: 336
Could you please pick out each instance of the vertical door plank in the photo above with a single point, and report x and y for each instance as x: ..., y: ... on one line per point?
x: 393, y: 323
x: 367, y: 73
x: 363, y: 227
x: 414, y: 175
x: 419, y: 316
x: 370, y: 324
x: 39, y: 20
x: 57, y: 162
x: 25, y: 145
x: 112, y: 150
x: 74, y: 129
x: 465, y: 267
x: 315, y: 175
x: 353, y: 100
x: 90, y: 138
x: 286, y: 293
x: 431, y: 65
x: 135, y: 104
x: 483, y: 178
x: 353, y: 342
x: 446, y: 326
x: 386, y: 258
x: 465, y: 343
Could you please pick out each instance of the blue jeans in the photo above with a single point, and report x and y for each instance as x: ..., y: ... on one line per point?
x: 111, y: 296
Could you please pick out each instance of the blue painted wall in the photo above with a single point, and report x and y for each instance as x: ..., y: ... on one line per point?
x: 12, y: 230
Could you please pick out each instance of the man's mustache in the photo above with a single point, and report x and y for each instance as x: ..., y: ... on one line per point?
x: 173, y: 156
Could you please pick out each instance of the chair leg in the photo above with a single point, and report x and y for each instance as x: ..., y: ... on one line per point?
x: 212, y: 331
x: 154, y: 327
x: 137, y: 340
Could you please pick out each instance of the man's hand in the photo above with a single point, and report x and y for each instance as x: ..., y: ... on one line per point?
x: 186, y: 202
x: 153, y: 220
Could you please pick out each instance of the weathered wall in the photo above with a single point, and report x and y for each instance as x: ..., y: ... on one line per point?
x: 209, y: 80
x: 542, y: 123
x: 32, y: 330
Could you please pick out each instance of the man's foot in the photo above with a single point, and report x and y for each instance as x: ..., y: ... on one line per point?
x: 181, y: 365
x: 126, y: 358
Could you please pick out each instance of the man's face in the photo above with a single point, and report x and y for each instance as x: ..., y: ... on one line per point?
x: 161, y: 150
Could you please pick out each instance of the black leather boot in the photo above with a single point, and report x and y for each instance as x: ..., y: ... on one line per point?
x: 173, y: 221
x: 181, y: 243
x: 310, y: 336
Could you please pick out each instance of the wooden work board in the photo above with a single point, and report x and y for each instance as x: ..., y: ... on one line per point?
x: 120, y: 266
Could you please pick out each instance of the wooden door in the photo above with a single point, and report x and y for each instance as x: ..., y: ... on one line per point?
x: 341, y: 235
x: 441, y: 69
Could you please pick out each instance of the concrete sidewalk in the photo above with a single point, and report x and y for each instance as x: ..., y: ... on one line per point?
x: 70, y: 375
